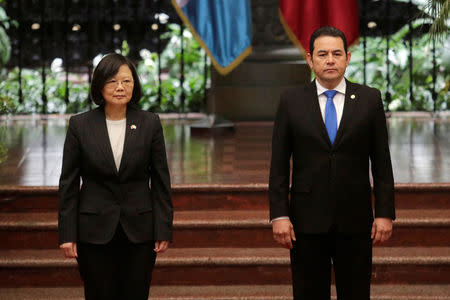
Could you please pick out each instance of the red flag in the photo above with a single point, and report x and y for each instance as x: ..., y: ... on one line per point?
x: 300, y: 18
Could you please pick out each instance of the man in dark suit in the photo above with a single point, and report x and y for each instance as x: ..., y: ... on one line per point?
x: 331, y: 128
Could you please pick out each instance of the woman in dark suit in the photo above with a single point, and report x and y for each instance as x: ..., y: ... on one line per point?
x: 115, y: 224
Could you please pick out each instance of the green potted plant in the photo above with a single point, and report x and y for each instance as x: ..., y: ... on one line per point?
x: 6, y: 103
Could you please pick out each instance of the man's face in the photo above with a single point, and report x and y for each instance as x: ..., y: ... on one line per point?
x: 328, y: 60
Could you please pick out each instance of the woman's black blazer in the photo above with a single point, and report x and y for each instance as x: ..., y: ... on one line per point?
x: 107, y: 196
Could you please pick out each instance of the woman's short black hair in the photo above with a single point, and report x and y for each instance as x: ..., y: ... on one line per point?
x: 105, y: 70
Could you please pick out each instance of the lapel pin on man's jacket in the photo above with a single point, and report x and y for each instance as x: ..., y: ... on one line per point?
x: 352, y: 96
x: 133, y: 126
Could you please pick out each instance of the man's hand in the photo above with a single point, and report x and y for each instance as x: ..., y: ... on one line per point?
x: 283, y: 232
x: 161, y: 246
x: 69, y: 250
x: 381, y: 230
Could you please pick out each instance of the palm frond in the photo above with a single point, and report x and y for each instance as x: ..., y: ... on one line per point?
x: 438, y: 10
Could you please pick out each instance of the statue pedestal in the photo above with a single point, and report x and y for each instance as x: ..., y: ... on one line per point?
x: 251, y: 92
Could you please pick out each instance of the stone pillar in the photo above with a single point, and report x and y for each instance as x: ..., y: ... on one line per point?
x: 251, y: 91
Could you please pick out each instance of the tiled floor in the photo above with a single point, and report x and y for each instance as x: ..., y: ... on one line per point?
x: 420, y: 149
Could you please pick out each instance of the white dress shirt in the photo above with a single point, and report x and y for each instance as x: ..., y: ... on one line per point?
x: 338, y: 101
x: 116, y: 133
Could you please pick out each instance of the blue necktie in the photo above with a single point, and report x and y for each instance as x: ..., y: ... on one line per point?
x: 330, y: 115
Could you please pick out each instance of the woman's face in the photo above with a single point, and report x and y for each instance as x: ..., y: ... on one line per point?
x: 118, y: 89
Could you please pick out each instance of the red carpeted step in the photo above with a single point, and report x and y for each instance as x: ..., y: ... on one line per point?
x: 225, y: 266
x: 185, y: 197
x: 237, y: 228
x: 221, y: 197
x: 231, y: 292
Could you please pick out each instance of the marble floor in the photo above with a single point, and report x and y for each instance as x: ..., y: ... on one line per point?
x: 420, y: 149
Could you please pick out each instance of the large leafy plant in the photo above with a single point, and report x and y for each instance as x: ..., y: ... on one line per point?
x: 5, y: 44
x: 147, y: 68
x: 399, y: 70
x: 171, y: 70
x: 6, y: 103
x: 439, y: 11
x: 54, y: 90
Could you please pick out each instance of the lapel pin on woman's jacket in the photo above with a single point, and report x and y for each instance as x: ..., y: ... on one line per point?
x: 133, y: 126
x: 352, y: 96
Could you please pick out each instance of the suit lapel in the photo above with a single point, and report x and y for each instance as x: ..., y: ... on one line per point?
x: 349, y: 106
x: 131, y: 131
x: 100, y: 132
x: 316, y: 114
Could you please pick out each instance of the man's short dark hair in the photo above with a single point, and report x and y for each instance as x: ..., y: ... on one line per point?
x: 105, y: 70
x: 326, y: 31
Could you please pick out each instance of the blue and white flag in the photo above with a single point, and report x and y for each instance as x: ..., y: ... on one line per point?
x: 222, y: 27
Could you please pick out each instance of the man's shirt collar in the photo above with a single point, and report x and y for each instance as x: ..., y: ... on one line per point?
x: 340, y: 87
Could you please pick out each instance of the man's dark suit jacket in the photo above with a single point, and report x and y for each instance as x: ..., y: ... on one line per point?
x: 107, y: 196
x: 330, y: 183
